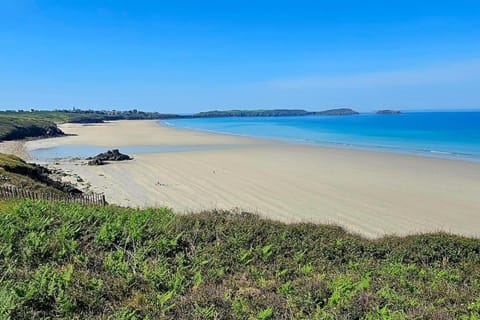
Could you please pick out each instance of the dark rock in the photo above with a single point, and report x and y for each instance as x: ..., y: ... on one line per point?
x: 96, y: 162
x: 33, y: 131
x: 53, y: 131
x: 110, y: 155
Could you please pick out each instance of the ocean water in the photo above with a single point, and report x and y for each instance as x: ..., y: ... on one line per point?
x: 453, y: 135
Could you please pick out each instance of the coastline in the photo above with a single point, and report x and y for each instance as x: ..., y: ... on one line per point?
x: 367, y: 192
x: 388, y: 136
x: 425, y: 153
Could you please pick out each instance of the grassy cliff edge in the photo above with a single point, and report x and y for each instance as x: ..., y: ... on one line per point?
x: 67, y: 261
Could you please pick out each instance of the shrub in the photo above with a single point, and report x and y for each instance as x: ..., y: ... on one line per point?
x: 67, y: 261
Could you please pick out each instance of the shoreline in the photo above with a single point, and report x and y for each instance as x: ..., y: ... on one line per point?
x: 428, y: 153
x: 26, y: 146
x: 46, y: 143
x: 367, y: 192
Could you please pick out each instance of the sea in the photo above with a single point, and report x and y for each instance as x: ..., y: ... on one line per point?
x: 451, y: 135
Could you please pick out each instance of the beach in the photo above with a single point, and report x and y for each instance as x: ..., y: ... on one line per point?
x: 369, y: 193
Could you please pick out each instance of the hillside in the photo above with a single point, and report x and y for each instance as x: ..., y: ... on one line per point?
x: 337, y: 112
x: 25, y: 124
x: 14, y: 128
x: 14, y: 171
x: 66, y: 261
x: 273, y: 113
x: 15, y: 125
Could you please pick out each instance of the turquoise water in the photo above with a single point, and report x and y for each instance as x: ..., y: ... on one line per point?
x: 439, y: 134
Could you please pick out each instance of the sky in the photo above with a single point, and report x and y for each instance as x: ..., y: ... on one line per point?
x: 187, y: 56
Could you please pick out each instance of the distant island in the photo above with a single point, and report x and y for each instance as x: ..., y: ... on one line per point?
x: 386, y: 111
x: 273, y: 113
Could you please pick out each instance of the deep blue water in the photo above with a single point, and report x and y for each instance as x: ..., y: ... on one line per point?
x: 439, y: 134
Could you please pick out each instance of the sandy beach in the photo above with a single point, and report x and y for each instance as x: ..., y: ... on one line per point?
x: 370, y: 193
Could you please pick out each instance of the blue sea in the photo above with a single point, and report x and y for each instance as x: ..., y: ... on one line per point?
x: 453, y: 135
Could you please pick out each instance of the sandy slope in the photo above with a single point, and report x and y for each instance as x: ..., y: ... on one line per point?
x: 367, y: 192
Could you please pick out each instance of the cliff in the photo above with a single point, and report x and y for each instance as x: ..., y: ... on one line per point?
x: 12, y: 128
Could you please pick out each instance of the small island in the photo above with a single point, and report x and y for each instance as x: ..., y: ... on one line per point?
x: 336, y: 112
x: 386, y: 111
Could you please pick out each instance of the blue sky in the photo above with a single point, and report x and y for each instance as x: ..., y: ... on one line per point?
x: 187, y: 56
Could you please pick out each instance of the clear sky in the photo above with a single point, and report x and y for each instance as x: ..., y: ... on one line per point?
x: 185, y: 56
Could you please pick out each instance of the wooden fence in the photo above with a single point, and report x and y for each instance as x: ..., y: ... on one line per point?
x: 10, y: 192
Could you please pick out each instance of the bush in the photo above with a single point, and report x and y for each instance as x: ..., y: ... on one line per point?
x: 67, y: 261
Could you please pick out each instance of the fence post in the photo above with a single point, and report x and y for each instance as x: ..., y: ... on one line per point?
x: 11, y: 192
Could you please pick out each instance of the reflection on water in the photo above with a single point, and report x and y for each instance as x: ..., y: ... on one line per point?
x: 84, y: 151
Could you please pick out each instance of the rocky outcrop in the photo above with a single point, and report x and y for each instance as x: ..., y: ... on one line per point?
x: 41, y: 174
x: 95, y: 162
x: 32, y: 131
x: 110, y: 155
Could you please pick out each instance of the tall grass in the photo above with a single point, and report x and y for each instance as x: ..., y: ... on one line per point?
x: 71, y: 262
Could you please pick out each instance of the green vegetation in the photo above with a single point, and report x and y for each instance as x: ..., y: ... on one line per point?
x: 11, y: 162
x: 273, y: 113
x: 24, y: 124
x: 77, y: 115
x: 16, y: 125
x: 14, y: 171
x: 27, y: 176
x: 336, y: 112
x: 67, y: 261
x: 12, y: 127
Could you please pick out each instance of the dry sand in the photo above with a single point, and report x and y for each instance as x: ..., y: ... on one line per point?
x: 16, y: 147
x: 369, y: 193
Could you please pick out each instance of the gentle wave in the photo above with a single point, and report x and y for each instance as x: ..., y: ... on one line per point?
x: 451, y: 135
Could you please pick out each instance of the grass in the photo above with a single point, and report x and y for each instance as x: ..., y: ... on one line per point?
x: 18, y: 127
x: 68, y: 261
x: 25, y: 124
x: 16, y: 172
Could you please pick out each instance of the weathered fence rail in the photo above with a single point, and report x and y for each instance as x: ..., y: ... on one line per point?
x: 10, y: 192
